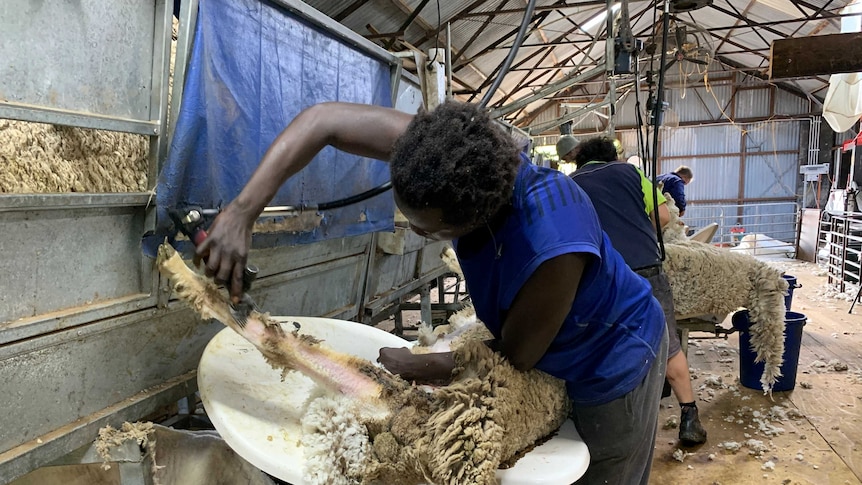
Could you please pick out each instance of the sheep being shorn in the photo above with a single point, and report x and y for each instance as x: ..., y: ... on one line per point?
x: 710, y: 280
x: 371, y: 427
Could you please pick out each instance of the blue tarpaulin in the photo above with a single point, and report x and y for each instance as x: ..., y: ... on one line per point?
x: 252, y: 69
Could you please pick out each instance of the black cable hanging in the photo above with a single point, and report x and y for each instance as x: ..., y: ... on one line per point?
x: 645, y: 127
x: 513, y: 51
x: 628, y: 43
x: 436, y: 39
x: 657, y: 109
x: 356, y: 198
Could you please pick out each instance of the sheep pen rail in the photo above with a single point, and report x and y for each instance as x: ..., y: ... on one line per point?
x: 779, y: 221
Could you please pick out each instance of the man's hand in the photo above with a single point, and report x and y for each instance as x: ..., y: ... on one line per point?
x: 225, y: 250
x: 423, y: 368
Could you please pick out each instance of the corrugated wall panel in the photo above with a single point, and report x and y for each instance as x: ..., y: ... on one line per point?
x: 699, y: 103
x: 770, y: 175
x: 589, y: 123
x: 630, y: 142
x: 626, y: 112
x: 753, y: 103
x: 690, y: 104
x: 715, y: 178
x: 790, y: 104
x: 772, y: 135
x: 547, y: 115
x: 700, y: 140
x: 720, y: 94
x: 686, y: 105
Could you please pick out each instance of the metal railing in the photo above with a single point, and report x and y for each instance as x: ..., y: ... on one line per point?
x: 839, y: 245
x: 760, y: 229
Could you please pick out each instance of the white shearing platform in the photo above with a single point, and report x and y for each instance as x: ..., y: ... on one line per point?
x: 258, y: 414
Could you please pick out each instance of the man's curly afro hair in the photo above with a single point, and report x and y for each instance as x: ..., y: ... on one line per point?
x: 455, y: 159
x: 596, y: 149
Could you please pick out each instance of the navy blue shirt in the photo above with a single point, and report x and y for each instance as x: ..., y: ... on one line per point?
x: 616, y: 191
x: 612, y: 334
x: 675, y: 186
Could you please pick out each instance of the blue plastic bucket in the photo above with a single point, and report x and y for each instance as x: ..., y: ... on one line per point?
x: 749, y: 371
x: 791, y: 285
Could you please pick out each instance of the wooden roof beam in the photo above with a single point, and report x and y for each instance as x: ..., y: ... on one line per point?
x: 529, y: 117
x: 553, y: 102
x: 558, y: 66
x: 486, y: 50
x: 735, y: 24
x: 756, y: 31
x: 804, y: 57
x: 525, y: 79
x: 805, y: 4
x: 411, y: 47
x: 476, y: 4
x: 561, y: 39
x: 810, y: 17
x: 407, y: 22
x: 430, y: 32
x: 772, y: 23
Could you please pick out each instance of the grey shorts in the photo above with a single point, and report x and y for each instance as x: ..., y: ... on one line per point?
x: 662, y: 292
x: 621, y: 434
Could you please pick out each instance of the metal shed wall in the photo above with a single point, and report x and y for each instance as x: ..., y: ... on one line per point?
x: 744, y: 172
x: 88, y: 334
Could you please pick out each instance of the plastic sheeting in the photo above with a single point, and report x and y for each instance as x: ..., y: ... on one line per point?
x: 843, y: 106
x: 252, y: 69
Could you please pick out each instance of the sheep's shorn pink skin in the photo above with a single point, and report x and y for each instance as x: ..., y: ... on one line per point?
x: 343, y: 373
x: 372, y: 427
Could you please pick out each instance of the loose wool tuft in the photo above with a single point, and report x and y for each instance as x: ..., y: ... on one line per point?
x: 332, y: 423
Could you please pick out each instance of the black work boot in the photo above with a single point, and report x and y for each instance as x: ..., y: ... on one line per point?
x: 691, y: 432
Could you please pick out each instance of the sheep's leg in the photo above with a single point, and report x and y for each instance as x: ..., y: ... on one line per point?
x: 343, y: 373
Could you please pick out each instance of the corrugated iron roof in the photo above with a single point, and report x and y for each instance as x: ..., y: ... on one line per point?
x: 483, y: 31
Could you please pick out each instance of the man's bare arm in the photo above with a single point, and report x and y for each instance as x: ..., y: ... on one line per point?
x: 360, y: 129
x: 540, y: 308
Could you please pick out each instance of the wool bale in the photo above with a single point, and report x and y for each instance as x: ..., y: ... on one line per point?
x: 43, y: 158
x: 39, y: 158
